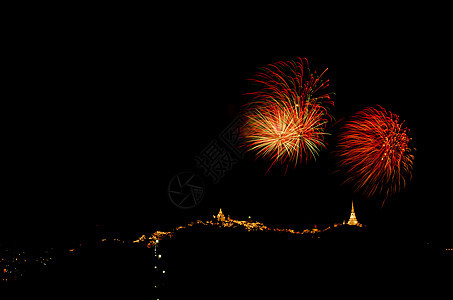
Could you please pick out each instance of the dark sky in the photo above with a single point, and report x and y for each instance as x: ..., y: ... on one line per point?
x: 100, y: 127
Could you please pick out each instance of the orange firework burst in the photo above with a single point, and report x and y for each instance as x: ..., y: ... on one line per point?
x: 287, y: 118
x: 374, y: 152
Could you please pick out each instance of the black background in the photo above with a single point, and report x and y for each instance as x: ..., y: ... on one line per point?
x: 100, y: 121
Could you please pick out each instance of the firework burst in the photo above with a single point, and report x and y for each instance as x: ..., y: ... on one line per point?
x: 374, y: 152
x: 286, y: 120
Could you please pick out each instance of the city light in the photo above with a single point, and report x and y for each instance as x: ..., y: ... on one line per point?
x: 14, y: 264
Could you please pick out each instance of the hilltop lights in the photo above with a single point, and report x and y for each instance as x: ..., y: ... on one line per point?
x: 220, y: 220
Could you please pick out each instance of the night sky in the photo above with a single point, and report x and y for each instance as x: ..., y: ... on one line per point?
x: 99, y: 128
x: 162, y: 110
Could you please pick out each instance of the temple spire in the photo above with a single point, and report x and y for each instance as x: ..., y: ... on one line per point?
x: 352, y: 217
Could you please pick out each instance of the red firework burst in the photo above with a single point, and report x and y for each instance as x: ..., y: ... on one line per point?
x: 286, y: 120
x: 374, y: 152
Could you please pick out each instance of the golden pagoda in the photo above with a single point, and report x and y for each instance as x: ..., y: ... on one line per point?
x: 352, y: 218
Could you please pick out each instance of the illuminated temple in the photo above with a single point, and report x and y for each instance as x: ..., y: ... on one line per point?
x: 352, y: 218
x: 220, y: 216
